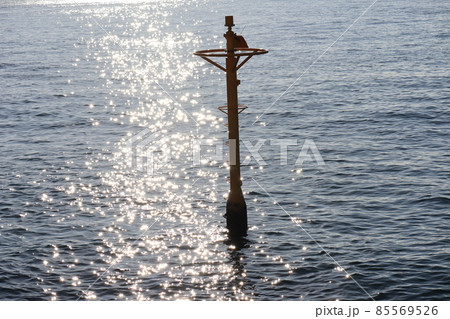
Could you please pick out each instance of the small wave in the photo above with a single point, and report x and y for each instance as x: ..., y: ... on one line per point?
x: 442, y: 35
x: 256, y: 193
x: 6, y: 65
x: 43, y: 114
x: 26, y: 101
x: 408, y: 115
x: 434, y: 199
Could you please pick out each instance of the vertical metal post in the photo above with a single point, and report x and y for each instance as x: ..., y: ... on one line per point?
x: 236, y: 47
x: 236, y: 208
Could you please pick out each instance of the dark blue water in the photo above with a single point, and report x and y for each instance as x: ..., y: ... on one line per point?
x: 79, y: 221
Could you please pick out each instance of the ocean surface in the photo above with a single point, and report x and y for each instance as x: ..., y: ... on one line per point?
x: 88, y: 212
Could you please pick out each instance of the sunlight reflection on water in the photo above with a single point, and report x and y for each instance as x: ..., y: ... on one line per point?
x: 149, y: 208
x: 160, y: 236
x: 82, y: 218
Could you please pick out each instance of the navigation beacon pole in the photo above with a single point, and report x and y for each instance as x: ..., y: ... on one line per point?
x: 236, y: 207
x: 236, y: 214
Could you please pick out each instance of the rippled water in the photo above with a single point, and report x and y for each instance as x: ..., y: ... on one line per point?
x: 79, y: 79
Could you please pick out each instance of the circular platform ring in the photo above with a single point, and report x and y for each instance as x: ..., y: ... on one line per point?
x: 223, y: 52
